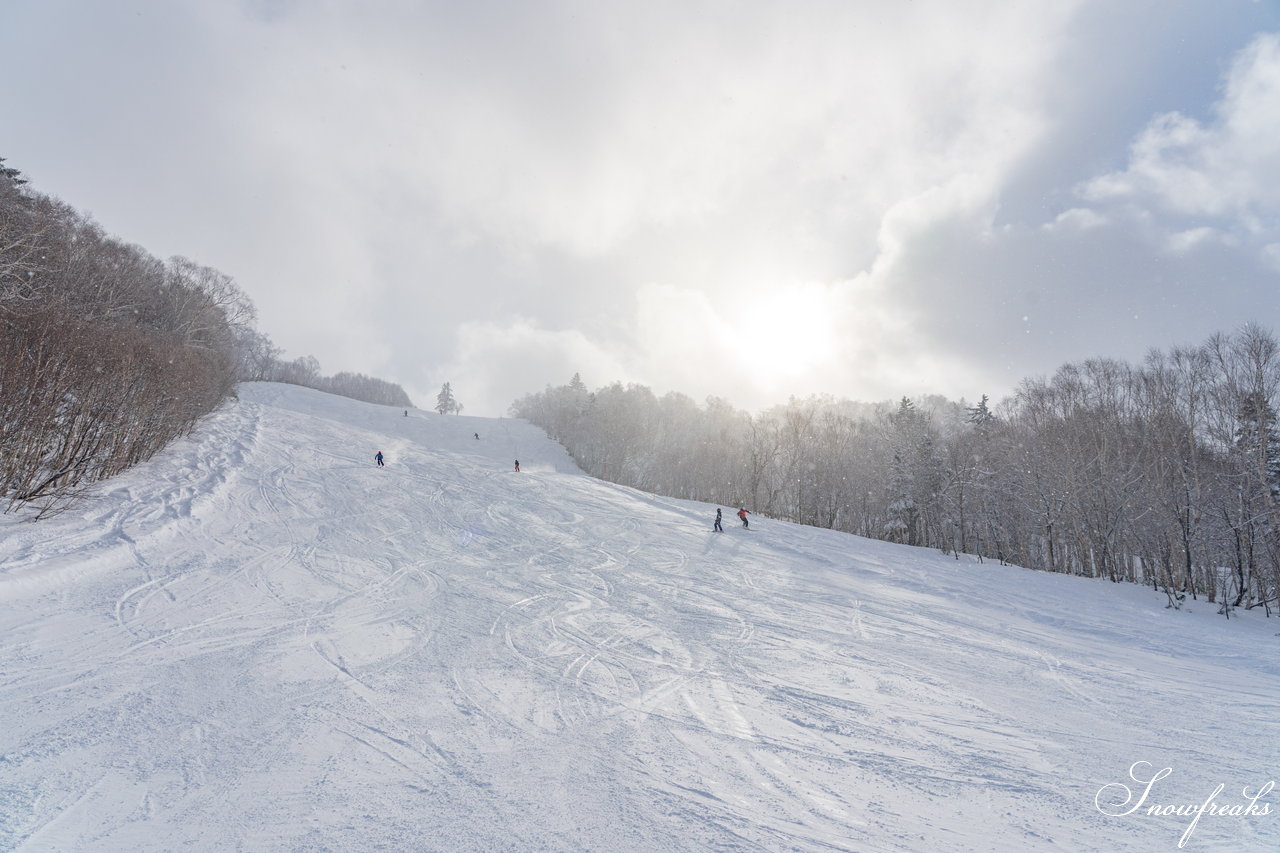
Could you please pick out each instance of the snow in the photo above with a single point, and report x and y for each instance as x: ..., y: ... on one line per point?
x: 260, y: 641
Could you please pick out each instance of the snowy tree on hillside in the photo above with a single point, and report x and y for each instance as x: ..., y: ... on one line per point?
x: 1256, y: 458
x: 303, y: 370
x: 915, y: 474
x: 1259, y: 440
x: 980, y: 415
x: 446, y: 403
x: 19, y: 237
x: 1247, y: 368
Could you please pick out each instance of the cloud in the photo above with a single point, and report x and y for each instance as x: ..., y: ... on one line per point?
x: 1077, y: 219
x: 660, y: 175
x: 1226, y: 169
x: 1177, y: 245
x: 1271, y: 256
x: 579, y: 128
x: 1182, y: 242
x: 495, y: 363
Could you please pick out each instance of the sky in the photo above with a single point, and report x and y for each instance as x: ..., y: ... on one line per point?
x: 750, y: 200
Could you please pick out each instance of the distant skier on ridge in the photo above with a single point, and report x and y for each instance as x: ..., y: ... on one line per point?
x: 517, y: 466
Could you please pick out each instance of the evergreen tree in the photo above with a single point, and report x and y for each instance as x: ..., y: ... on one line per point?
x: 915, y: 475
x: 446, y: 403
x: 1258, y: 438
x: 980, y: 416
x: 11, y: 176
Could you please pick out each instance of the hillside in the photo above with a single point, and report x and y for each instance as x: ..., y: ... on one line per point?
x: 260, y: 641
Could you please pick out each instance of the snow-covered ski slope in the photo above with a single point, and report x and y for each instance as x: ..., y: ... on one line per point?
x: 259, y: 641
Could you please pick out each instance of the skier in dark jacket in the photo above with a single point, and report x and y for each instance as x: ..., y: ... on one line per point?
x: 517, y: 466
x: 718, y: 528
x: 377, y: 457
x: 742, y: 514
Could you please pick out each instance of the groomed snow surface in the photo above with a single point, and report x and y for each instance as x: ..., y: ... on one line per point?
x: 259, y: 641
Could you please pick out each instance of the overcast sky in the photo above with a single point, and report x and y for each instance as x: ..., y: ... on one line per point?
x: 745, y: 199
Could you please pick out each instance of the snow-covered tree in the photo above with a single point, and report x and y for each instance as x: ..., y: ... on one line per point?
x: 980, y: 415
x: 446, y: 403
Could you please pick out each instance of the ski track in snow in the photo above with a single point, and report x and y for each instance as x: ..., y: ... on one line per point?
x: 260, y: 641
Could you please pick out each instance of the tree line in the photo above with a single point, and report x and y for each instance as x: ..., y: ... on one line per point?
x: 1165, y: 473
x: 108, y: 353
x: 306, y: 371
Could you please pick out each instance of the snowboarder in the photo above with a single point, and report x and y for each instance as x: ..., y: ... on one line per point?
x: 517, y: 466
x: 742, y: 514
x: 377, y: 457
x: 718, y: 528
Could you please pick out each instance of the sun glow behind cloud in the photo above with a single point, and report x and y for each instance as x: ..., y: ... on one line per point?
x: 789, y: 331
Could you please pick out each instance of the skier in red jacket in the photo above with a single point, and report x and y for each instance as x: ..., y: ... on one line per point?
x: 742, y: 514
